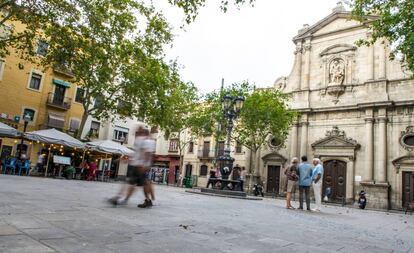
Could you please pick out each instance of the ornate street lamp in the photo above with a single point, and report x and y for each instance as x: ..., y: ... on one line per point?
x: 231, y: 110
x: 26, y: 119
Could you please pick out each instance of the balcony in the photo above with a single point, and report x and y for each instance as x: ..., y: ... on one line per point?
x: 63, y: 70
x: 59, y: 102
x: 206, y: 154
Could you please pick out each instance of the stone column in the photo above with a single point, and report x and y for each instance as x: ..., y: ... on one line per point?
x: 369, y: 148
x: 304, y: 136
x: 294, y: 141
x: 370, y: 65
x: 381, y: 172
x: 382, y: 73
x: 298, y: 60
x: 306, y: 71
x: 350, y: 194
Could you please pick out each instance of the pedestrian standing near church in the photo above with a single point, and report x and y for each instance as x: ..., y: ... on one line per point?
x: 317, y: 175
x: 292, y: 176
x: 305, y: 181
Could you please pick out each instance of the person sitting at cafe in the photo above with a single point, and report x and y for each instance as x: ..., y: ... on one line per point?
x: 40, y: 162
x: 92, y: 171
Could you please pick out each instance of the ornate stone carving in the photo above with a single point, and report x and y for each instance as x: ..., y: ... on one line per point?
x: 336, y: 72
x: 336, y: 137
x: 408, y: 133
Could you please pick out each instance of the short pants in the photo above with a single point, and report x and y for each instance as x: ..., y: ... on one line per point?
x: 139, y: 177
x: 291, y: 186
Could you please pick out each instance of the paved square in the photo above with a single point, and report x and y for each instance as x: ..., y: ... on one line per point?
x: 48, y: 215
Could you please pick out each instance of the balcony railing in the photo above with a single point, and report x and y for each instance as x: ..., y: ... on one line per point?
x: 58, y: 101
x: 63, y: 69
x: 206, y: 154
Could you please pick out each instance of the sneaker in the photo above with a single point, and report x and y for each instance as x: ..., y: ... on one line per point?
x: 113, y: 201
x: 147, y: 203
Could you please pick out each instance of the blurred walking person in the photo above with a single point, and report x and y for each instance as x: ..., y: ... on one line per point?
x: 137, y: 163
x: 148, y: 157
x: 292, y: 176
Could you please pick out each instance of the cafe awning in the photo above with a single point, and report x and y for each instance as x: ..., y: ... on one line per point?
x: 53, y: 136
x: 109, y: 146
x: 7, y: 131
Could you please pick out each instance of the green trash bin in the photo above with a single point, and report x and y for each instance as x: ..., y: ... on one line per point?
x: 188, y: 182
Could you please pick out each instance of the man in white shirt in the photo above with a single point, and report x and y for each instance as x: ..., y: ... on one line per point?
x: 149, y: 150
x: 139, y: 163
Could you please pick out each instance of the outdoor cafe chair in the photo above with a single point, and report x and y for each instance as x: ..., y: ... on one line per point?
x: 10, y: 164
x: 24, y: 166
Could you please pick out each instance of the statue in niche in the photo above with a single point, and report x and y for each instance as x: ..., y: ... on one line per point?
x: 336, y: 72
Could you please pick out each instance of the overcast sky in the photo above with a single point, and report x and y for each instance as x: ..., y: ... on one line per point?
x: 253, y: 43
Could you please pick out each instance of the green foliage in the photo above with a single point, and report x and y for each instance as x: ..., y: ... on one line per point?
x: 191, y: 7
x: 392, y: 20
x: 265, y: 113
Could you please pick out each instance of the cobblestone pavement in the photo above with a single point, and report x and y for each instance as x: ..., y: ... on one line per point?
x: 48, y: 215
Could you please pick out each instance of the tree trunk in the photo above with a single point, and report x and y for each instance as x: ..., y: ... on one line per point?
x: 252, y: 168
x: 82, y: 124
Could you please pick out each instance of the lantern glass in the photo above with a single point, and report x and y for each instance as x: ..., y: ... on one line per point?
x: 227, y: 101
x: 239, y: 101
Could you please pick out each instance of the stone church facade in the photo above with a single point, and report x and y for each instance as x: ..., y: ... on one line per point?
x: 356, y: 114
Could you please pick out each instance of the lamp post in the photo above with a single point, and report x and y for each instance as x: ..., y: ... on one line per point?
x: 26, y: 119
x: 231, y: 111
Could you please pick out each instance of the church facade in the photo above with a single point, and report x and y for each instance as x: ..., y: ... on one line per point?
x: 356, y: 114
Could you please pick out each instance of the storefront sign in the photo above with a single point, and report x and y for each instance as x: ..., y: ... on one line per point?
x: 61, y: 160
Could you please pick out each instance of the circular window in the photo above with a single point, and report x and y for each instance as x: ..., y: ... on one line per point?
x: 275, y: 142
x: 409, y: 140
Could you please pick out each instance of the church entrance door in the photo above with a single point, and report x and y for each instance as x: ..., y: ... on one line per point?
x: 273, y: 177
x: 334, y: 178
x: 408, y: 188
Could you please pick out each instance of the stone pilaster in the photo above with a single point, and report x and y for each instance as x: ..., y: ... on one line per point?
x: 304, y: 135
x: 370, y: 63
x: 382, y: 72
x: 298, y: 60
x: 369, y: 149
x: 381, y: 171
x: 306, y: 71
x: 294, y: 140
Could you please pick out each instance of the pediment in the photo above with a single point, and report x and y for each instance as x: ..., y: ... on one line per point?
x: 335, y: 138
x: 336, y: 21
x: 334, y: 141
x: 338, y: 48
x: 404, y: 160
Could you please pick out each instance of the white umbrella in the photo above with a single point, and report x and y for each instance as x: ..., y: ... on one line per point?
x: 7, y: 131
x: 109, y: 146
x: 53, y: 136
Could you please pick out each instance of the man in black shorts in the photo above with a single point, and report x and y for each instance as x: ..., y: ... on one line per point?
x: 138, y: 164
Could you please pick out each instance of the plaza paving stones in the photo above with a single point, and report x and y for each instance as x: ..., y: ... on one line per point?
x: 48, y: 215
